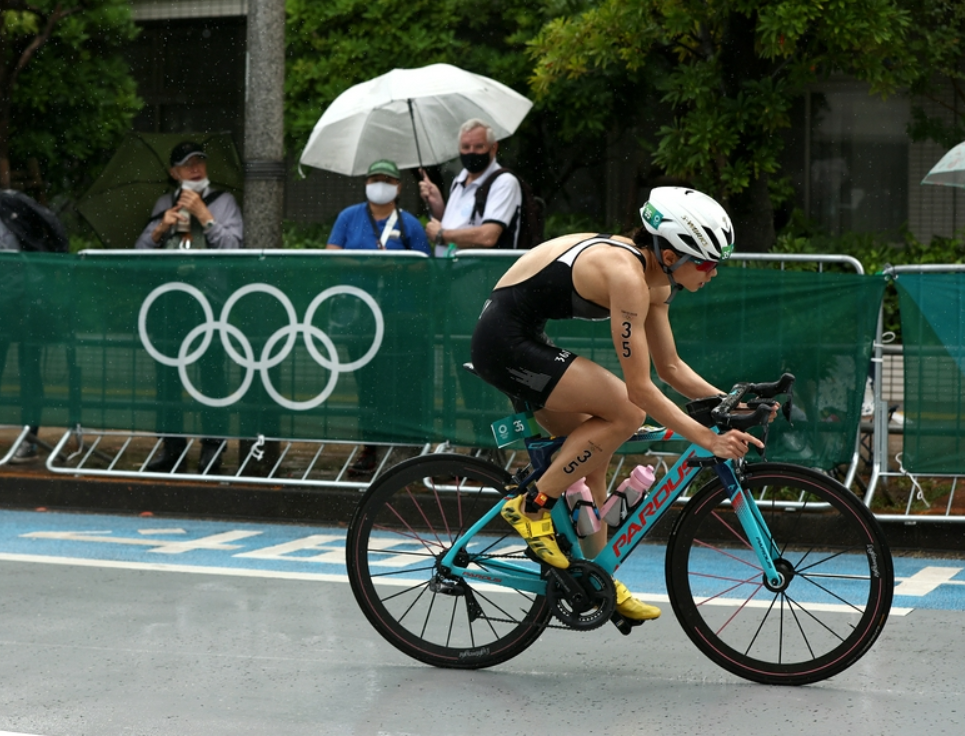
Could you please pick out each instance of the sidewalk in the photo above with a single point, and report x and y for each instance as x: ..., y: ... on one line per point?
x: 35, y: 487
x: 32, y: 485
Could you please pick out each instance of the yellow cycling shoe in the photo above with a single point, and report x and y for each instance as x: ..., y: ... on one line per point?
x: 633, y: 608
x: 539, y: 535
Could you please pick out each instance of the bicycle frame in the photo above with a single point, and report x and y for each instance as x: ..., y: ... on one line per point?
x: 638, y: 524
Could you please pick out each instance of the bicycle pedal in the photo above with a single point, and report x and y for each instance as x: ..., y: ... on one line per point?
x: 624, y: 625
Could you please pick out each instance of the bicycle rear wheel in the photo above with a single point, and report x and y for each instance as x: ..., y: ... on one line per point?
x: 839, y: 578
x: 406, y: 521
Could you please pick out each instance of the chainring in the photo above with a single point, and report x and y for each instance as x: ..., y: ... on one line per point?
x: 582, y: 596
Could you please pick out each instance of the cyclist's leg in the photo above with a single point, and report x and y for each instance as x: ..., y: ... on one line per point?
x: 589, y: 406
x: 562, y: 424
x: 589, y: 390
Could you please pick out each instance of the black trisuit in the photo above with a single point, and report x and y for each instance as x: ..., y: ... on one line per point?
x: 510, y: 348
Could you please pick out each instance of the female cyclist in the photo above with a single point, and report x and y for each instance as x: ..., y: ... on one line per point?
x: 631, y: 282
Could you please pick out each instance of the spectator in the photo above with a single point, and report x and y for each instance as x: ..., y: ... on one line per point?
x: 194, y: 216
x: 26, y: 225
x: 377, y: 223
x: 458, y: 221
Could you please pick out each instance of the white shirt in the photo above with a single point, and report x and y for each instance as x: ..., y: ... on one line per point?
x: 504, y: 200
x: 8, y: 241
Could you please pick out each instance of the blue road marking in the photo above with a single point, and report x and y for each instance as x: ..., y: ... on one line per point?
x: 318, y: 553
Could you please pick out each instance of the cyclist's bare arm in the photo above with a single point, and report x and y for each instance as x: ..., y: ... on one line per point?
x: 667, y: 361
x: 633, y: 320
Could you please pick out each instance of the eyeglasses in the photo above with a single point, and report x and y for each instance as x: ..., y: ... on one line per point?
x: 705, y: 266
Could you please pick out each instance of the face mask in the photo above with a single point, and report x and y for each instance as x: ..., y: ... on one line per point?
x: 474, y: 162
x: 381, y: 192
x: 195, y: 186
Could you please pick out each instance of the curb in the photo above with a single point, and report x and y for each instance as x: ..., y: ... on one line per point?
x: 178, y: 498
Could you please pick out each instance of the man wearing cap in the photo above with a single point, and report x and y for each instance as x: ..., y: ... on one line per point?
x: 377, y: 223
x: 194, y: 216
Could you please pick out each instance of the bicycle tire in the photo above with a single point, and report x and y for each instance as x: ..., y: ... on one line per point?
x: 402, y: 526
x: 835, y: 557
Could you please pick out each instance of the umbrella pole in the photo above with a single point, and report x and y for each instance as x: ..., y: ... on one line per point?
x: 415, y: 135
x: 418, y: 151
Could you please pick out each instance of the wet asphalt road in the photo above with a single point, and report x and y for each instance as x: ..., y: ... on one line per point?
x: 87, y: 650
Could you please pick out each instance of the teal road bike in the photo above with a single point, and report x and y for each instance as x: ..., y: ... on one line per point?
x: 776, y: 572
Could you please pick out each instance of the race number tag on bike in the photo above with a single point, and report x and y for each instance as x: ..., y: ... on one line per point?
x: 516, y: 427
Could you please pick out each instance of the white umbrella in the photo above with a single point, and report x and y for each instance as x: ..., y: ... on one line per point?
x: 950, y: 171
x: 410, y: 116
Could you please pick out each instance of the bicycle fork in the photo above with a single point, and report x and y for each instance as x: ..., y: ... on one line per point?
x: 753, y: 524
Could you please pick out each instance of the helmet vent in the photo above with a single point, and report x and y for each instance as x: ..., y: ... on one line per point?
x: 713, y: 238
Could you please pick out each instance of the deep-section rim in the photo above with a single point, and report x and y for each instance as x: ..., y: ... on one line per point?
x: 375, y: 498
x: 836, y: 659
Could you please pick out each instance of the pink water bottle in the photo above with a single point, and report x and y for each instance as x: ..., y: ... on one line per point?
x: 586, y: 517
x: 627, y: 495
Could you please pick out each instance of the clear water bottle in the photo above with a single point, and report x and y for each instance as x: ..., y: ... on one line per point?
x: 585, y: 515
x: 183, y: 224
x: 183, y: 228
x: 627, y: 495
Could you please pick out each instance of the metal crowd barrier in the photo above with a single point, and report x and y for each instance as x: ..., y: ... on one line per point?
x: 91, y: 452
x: 916, y: 507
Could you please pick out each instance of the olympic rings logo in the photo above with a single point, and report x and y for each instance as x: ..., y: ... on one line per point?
x: 188, y: 353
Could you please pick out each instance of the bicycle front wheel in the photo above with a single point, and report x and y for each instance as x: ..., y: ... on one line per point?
x: 406, y: 521
x: 836, y: 564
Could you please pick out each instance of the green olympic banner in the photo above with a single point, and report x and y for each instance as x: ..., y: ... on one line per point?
x: 933, y: 333
x: 370, y: 346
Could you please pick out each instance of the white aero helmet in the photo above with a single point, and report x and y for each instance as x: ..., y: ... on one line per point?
x: 692, y: 223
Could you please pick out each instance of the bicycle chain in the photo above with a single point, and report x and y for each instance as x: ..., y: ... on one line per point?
x: 532, y: 626
x: 544, y: 626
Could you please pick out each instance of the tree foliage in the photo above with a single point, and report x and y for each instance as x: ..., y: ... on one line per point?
x: 938, y: 40
x: 728, y: 70
x: 334, y: 45
x: 66, y: 95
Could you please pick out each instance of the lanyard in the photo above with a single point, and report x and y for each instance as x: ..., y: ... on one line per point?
x: 386, y: 231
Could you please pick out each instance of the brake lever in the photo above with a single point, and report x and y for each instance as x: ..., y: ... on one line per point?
x: 786, y: 411
x: 762, y: 451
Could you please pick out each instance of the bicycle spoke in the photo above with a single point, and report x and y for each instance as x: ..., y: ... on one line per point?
x: 404, y: 527
x: 835, y: 588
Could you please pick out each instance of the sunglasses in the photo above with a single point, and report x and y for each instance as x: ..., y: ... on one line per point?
x: 705, y: 266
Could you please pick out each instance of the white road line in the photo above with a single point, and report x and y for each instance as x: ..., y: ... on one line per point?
x: 327, y: 578
x: 926, y: 580
x: 240, y: 572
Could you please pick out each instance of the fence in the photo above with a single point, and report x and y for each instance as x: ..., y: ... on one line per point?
x: 931, y: 430
x: 341, y: 349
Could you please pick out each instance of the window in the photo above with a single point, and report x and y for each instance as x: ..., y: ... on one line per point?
x: 190, y: 74
x: 856, y: 160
